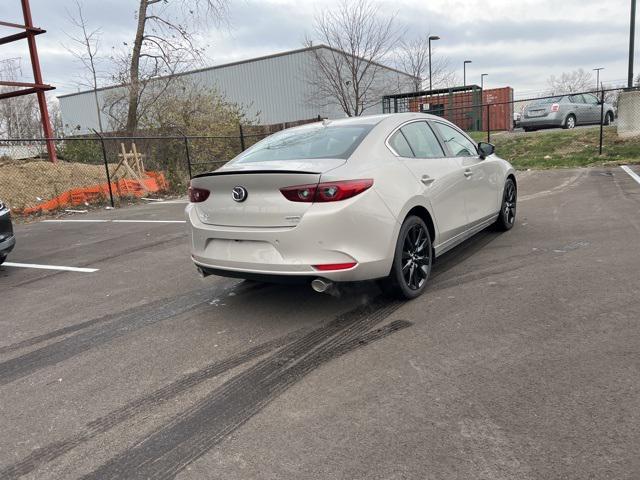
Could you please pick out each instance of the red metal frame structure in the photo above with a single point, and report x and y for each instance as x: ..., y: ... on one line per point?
x: 29, y: 32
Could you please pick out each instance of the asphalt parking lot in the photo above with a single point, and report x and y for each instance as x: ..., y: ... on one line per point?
x: 521, y: 361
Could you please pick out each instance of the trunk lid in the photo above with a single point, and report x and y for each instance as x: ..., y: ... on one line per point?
x: 264, y: 204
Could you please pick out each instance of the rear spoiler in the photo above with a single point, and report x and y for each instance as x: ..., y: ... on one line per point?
x: 249, y: 172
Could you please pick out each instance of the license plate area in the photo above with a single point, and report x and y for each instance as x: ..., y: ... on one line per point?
x: 246, y: 251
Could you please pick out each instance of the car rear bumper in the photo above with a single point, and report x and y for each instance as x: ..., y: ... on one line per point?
x: 360, y: 230
x: 551, y: 120
x: 7, y: 244
x: 7, y: 239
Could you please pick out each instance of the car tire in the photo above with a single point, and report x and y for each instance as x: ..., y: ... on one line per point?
x: 570, y: 122
x: 413, y: 257
x: 2, y: 259
x: 608, y: 118
x: 507, y: 216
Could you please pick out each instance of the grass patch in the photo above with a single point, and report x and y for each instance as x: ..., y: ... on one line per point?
x: 563, y: 148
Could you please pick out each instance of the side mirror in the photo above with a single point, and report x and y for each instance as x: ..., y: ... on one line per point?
x: 486, y: 149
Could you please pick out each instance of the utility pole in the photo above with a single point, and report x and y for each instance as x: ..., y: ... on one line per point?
x: 632, y: 34
x: 431, y: 37
x: 597, y: 70
x: 482, y: 80
x: 464, y: 72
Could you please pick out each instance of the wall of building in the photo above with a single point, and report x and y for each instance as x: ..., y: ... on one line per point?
x: 273, y: 89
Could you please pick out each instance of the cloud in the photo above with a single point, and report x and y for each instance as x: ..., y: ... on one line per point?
x: 518, y: 43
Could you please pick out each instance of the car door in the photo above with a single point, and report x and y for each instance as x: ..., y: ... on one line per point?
x: 580, y: 108
x: 440, y: 177
x: 481, y: 176
x: 593, y: 108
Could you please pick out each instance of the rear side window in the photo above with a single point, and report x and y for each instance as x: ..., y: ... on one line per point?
x: 576, y: 99
x: 459, y: 145
x: 422, y: 140
x: 312, y: 142
x: 400, y: 145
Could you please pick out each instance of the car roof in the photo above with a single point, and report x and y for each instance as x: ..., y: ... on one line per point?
x: 373, y: 119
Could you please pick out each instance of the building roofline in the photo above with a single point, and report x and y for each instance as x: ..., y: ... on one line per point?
x: 238, y: 62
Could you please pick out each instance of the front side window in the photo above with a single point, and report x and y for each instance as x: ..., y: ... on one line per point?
x: 312, y: 142
x: 590, y: 99
x: 422, y: 140
x: 459, y: 145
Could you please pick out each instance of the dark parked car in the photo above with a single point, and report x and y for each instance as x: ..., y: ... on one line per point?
x: 565, y: 111
x: 7, y: 240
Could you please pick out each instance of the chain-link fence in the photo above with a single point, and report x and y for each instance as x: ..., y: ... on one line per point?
x: 564, y: 130
x: 568, y: 130
x: 108, y: 169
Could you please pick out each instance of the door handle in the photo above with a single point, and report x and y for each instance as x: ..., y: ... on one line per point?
x: 427, y: 180
x: 468, y: 173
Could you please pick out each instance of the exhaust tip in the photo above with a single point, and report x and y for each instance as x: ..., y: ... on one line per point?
x: 201, y: 272
x: 321, y: 285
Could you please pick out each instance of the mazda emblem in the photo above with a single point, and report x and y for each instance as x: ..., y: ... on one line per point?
x: 239, y: 194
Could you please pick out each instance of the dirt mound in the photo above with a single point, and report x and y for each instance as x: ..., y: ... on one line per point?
x: 28, y: 183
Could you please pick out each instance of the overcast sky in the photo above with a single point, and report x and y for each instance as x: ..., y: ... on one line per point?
x: 518, y: 43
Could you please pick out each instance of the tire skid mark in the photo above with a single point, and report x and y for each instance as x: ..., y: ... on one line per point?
x: 557, y: 189
x: 128, y: 251
x: 105, y: 330
x: 29, y: 342
x: 50, y: 452
x: 168, y: 450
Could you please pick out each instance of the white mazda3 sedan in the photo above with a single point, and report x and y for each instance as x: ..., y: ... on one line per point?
x: 377, y: 197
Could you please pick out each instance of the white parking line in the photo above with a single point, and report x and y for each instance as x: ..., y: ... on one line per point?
x: 149, y: 221
x: 631, y: 173
x: 84, y: 220
x: 50, y: 267
x: 114, y: 221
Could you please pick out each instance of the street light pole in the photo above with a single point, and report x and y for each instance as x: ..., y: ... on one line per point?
x: 464, y: 72
x: 597, y: 70
x: 431, y: 37
x: 632, y: 34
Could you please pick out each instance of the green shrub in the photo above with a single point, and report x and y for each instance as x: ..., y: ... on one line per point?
x: 81, y: 151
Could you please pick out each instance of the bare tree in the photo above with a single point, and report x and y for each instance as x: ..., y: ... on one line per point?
x: 164, y: 44
x: 86, y: 46
x: 570, y: 82
x: 413, y: 58
x: 348, y: 73
x: 19, y: 116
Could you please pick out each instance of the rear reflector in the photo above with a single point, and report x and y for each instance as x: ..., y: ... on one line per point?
x: 326, y: 191
x: 197, y: 195
x: 335, y: 266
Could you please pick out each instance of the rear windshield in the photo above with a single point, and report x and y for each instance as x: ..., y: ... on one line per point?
x: 547, y: 101
x: 313, y: 142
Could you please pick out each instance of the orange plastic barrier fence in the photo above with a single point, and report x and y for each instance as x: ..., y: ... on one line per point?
x: 122, y: 188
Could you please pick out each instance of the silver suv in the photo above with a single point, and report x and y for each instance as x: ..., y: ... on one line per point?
x: 565, y: 111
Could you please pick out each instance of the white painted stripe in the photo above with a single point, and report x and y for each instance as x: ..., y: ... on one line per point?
x: 84, y: 220
x: 149, y: 221
x: 50, y: 267
x: 631, y: 173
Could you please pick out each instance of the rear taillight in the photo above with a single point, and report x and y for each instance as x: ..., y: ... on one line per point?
x: 555, y: 107
x: 334, y: 266
x: 326, y: 191
x: 198, y: 194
